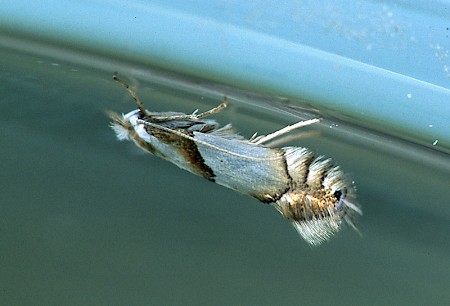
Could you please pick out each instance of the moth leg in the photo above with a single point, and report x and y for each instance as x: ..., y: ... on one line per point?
x: 194, y: 116
x: 265, y: 138
x: 214, y: 110
x: 133, y: 93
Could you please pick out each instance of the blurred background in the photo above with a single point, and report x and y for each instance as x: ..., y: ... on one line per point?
x: 87, y: 220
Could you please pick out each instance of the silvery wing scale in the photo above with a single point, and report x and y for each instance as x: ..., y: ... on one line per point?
x: 308, y: 190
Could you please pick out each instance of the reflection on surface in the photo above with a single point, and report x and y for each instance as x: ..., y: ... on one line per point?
x: 87, y: 220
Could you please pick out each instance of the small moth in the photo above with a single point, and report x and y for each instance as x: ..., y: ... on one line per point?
x: 308, y: 190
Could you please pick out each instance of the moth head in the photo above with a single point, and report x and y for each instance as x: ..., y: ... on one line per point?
x: 122, y: 125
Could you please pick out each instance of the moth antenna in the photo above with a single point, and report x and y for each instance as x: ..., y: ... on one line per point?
x: 253, y: 136
x: 262, y: 139
x: 288, y: 138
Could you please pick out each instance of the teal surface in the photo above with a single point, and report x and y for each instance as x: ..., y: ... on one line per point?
x: 375, y: 63
x: 88, y: 220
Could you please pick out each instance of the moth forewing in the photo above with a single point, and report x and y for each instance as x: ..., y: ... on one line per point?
x: 308, y: 190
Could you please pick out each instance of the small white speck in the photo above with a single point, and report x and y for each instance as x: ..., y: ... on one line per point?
x: 430, y: 125
x: 409, y: 96
x: 55, y: 64
x: 435, y: 142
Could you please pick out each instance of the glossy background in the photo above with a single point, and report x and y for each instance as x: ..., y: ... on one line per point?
x: 86, y: 220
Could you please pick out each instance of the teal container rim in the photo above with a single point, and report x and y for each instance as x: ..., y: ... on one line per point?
x: 371, y: 96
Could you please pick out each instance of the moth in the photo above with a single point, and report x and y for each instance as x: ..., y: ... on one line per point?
x: 308, y: 190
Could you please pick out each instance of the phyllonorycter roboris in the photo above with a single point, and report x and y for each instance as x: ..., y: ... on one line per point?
x: 307, y: 189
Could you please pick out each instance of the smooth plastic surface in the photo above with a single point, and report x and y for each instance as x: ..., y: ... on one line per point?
x: 382, y: 66
x: 88, y: 220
